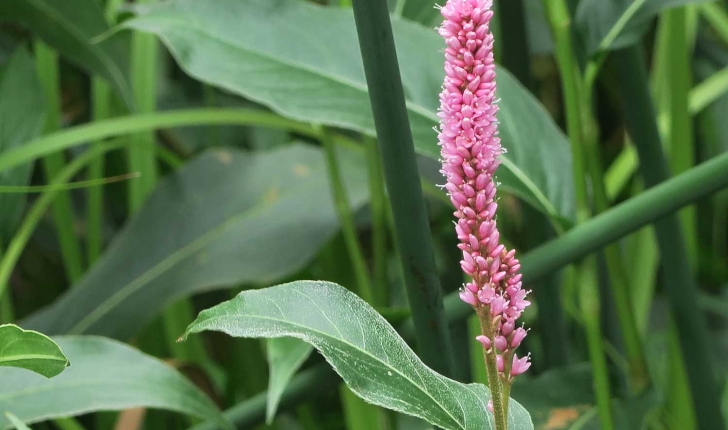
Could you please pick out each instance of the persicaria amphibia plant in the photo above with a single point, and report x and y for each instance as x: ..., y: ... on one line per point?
x: 470, y: 148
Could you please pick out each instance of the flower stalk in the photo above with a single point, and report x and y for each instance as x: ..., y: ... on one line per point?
x: 470, y: 151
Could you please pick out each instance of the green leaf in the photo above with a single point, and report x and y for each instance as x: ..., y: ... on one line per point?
x: 362, y: 347
x: 105, y: 375
x: 225, y: 219
x: 271, y: 53
x: 285, y: 356
x: 30, y: 350
x: 15, y: 421
x: 22, y: 116
x: 70, y: 26
x: 615, y: 24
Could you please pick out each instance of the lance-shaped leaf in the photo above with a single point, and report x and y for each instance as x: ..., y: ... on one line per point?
x: 70, y: 26
x: 226, y: 218
x: 30, y: 350
x: 105, y: 375
x: 616, y: 24
x: 303, y: 61
x: 362, y: 347
x: 285, y: 356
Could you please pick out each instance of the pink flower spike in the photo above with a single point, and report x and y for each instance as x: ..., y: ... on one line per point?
x: 470, y: 148
x: 489, y: 406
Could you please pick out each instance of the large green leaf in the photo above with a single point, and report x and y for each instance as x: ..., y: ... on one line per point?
x: 30, y: 350
x: 226, y: 218
x: 362, y: 347
x: 70, y: 27
x: 22, y: 115
x: 105, y: 375
x: 303, y: 61
x: 285, y: 356
x: 617, y: 24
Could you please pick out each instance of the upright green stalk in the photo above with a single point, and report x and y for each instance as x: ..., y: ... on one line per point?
x: 583, y: 133
x: 101, y: 102
x: 682, y: 291
x: 589, y: 307
x: 403, y: 183
x: 141, y: 154
x: 346, y: 217
x: 379, y: 208
x: 672, y: 89
x: 47, y: 64
x: 559, y: 18
x: 496, y: 388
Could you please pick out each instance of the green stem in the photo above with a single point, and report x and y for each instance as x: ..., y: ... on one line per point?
x: 500, y: 412
x: 577, y: 115
x: 674, y: 87
x: 583, y: 133
x: 589, y: 304
x: 141, y: 152
x: 403, y: 183
x: 346, y: 217
x: 378, y: 205
x: 651, y: 205
x: 101, y: 100
x: 98, y: 130
x: 47, y: 63
x: 35, y: 214
x: 640, y: 120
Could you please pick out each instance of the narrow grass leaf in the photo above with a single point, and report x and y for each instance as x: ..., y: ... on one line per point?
x: 285, y: 356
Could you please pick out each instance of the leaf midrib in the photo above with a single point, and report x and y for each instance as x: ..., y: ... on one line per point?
x: 345, y: 342
x: 21, y: 357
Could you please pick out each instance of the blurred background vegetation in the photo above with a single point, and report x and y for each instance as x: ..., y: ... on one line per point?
x: 215, y: 146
